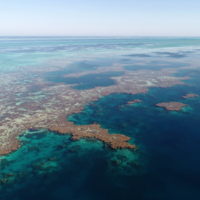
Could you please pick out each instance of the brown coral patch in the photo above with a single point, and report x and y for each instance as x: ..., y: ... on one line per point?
x: 134, y: 101
x: 14, y: 145
x: 171, y: 106
x: 187, y: 96
x: 92, y: 131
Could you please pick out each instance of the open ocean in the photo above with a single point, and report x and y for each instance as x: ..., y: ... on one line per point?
x: 166, y: 163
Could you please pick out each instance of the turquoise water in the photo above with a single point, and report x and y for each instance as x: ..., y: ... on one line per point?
x: 166, y: 162
x: 18, y: 52
x: 47, y: 158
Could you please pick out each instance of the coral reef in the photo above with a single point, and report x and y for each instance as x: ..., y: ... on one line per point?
x: 22, y: 108
x: 91, y: 131
x: 134, y: 101
x: 187, y: 96
x: 176, y: 106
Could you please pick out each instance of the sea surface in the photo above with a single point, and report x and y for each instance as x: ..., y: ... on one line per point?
x: 166, y: 163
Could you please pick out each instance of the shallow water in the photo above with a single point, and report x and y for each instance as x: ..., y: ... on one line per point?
x: 47, y: 158
x: 37, y: 52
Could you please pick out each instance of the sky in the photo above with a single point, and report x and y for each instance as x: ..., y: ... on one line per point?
x: 100, y: 18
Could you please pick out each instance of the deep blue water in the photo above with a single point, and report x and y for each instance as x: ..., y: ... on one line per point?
x: 165, y: 165
x: 155, y: 65
x: 75, y: 68
x: 87, y: 81
x: 87, y: 65
x: 103, y: 79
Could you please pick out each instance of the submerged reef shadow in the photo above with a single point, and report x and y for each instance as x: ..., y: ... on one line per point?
x: 88, y: 81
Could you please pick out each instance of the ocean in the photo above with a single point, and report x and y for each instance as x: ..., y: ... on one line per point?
x: 165, y: 164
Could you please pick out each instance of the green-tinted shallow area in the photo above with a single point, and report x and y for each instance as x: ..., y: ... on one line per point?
x: 46, y: 157
x: 88, y: 81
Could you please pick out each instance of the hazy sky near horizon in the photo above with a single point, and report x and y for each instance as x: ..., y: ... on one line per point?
x: 100, y: 18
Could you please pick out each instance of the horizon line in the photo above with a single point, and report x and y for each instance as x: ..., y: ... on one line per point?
x: 94, y: 36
